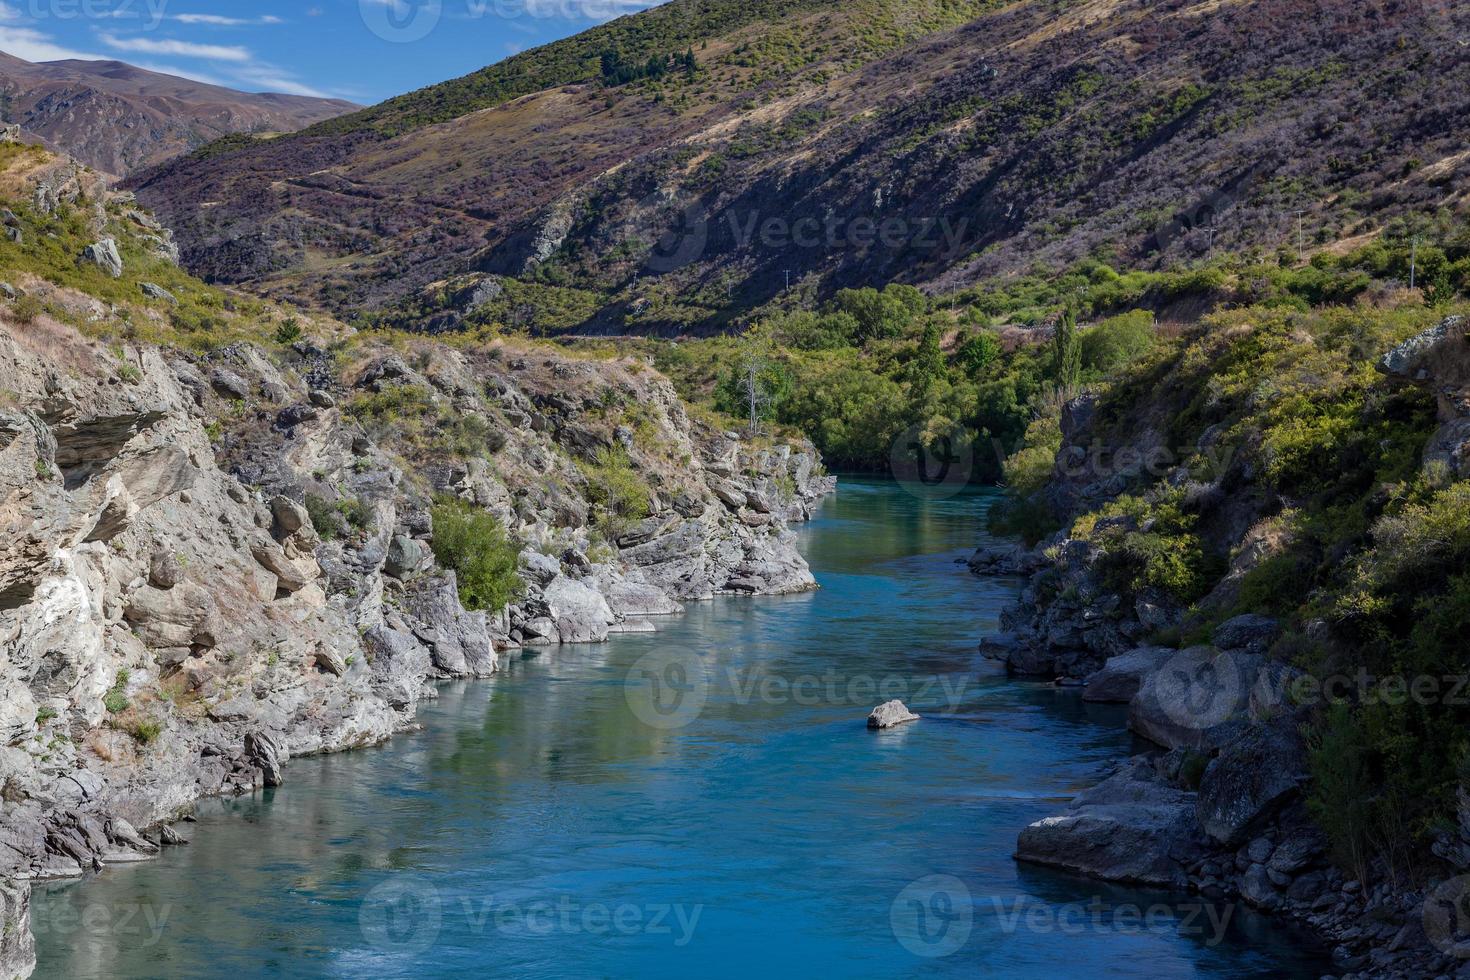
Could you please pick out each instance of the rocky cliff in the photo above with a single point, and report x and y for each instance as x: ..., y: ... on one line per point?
x: 1231, y: 805
x: 214, y: 558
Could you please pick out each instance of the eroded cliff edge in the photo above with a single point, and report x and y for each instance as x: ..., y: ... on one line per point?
x: 177, y: 622
x: 1319, y: 519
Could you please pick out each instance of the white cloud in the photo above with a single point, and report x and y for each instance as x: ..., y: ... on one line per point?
x: 186, y: 49
x: 31, y: 45
x: 266, y: 78
x: 216, y: 20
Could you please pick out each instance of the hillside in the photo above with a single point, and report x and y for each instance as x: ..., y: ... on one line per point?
x: 982, y: 138
x: 231, y: 535
x: 118, y: 118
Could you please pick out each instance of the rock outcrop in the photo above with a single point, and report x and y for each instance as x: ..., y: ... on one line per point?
x: 212, y: 564
x: 1132, y: 827
x: 1220, y: 808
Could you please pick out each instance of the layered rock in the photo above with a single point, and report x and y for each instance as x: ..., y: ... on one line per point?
x: 212, y: 564
x: 1221, y: 808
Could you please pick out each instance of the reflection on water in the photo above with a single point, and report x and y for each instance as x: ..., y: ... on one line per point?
x: 538, y: 827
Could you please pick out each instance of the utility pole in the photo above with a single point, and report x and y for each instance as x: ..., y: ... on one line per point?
x: 1299, y: 230
x: 1414, y: 262
x: 788, y: 278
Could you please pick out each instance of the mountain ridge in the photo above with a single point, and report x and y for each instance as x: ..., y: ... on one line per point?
x: 1046, y: 131
x: 117, y: 117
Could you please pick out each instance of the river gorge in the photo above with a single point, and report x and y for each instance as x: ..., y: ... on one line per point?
x: 567, y: 817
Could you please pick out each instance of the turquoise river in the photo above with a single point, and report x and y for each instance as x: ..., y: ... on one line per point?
x: 701, y: 802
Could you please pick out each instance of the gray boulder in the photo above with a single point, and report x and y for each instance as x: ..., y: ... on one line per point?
x: 262, y: 752
x: 581, y: 614
x: 890, y: 714
x: 1122, y: 676
x: 164, y: 571
x: 1252, y: 632
x: 1132, y: 827
x: 155, y: 291
x: 458, y: 640
x: 1196, y: 698
x: 1250, y: 780
x: 405, y: 556
x: 103, y: 255
x: 1005, y: 560
x: 229, y: 384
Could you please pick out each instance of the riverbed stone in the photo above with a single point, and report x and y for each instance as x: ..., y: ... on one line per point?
x: 1122, y: 676
x: 1132, y: 827
x: 890, y: 714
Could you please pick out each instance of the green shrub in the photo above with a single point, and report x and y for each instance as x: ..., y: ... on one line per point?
x: 288, y: 332
x: 484, y: 559
x: 616, y: 489
x: 325, y: 517
x: 116, y: 698
x: 1117, y: 342
x: 145, y: 730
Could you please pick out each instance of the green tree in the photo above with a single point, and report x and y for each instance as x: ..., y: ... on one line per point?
x: 977, y: 353
x: 1068, y: 351
x: 1117, y: 341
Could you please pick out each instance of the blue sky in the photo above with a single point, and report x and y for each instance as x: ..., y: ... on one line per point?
x: 363, y: 50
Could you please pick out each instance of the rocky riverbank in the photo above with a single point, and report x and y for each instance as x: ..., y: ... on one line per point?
x: 213, y: 563
x: 1221, y: 808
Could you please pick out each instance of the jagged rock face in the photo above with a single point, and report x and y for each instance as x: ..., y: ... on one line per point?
x: 1438, y: 360
x: 173, y: 622
x: 17, y: 946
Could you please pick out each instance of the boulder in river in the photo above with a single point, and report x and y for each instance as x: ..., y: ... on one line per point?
x: 891, y: 714
x: 1132, y: 827
x: 1121, y: 677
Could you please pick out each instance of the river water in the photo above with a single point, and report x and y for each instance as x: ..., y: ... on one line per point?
x: 705, y: 802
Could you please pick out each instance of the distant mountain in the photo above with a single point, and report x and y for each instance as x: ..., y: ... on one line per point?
x: 816, y: 144
x: 118, y: 118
